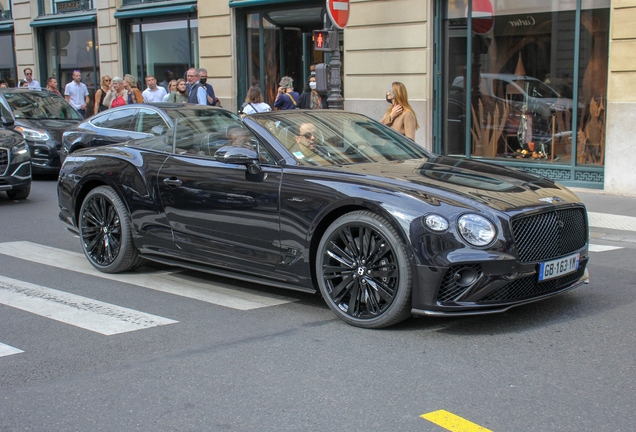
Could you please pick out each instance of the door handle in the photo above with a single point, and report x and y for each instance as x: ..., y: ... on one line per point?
x: 173, y: 181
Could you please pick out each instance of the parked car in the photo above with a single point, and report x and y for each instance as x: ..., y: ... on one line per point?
x: 15, y: 163
x: 327, y: 201
x: 117, y: 125
x: 41, y: 118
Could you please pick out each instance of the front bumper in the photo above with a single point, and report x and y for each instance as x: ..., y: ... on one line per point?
x: 45, y: 157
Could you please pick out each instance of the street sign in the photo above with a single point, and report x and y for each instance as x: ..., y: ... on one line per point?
x: 322, y: 41
x: 338, y: 12
x: 483, y: 16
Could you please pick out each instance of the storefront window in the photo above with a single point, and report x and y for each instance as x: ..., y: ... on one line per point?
x: 522, y: 97
x: 5, y: 9
x: 266, y: 77
x: 164, y: 49
x: 48, y: 7
x: 7, y: 60
x: 68, y: 50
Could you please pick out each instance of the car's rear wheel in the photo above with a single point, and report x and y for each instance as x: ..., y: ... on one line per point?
x: 19, y: 194
x: 363, y: 272
x: 106, y: 233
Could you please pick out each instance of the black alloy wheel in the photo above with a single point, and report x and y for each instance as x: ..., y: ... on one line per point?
x: 105, y: 232
x: 363, y: 272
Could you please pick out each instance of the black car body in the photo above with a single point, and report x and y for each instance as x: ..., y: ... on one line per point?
x: 41, y: 118
x: 117, y: 125
x: 15, y: 166
x: 383, y: 228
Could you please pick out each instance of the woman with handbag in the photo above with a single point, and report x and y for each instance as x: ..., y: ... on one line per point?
x: 254, y: 102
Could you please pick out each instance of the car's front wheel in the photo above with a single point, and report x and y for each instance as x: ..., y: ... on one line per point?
x: 363, y: 272
x: 106, y: 233
x: 19, y: 194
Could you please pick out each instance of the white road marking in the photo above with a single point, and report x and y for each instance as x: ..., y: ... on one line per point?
x: 611, y: 221
x: 6, y: 350
x: 602, y: 248
x: 169, y: 282
x: 75, y: 310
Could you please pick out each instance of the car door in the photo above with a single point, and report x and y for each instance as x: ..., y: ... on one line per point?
x: 117, y: 127
x: 222, y: 215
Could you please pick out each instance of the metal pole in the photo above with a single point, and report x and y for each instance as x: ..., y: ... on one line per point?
x: 335, y: 100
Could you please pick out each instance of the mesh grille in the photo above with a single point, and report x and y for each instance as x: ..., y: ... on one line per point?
x: 530, y: 286
x: 550, y: 235
x: 4, y: 161
x: 449, y: 289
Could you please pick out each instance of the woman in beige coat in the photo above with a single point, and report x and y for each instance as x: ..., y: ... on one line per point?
x: 117, y: 95
x: 400, y: 116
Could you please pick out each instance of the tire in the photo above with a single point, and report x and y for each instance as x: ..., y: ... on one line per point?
x: 19, y: 194
x: 106, y: 233
x: 363, y: 272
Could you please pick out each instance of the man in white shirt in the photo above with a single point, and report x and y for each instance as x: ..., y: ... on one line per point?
x: 28, y: 77
x: 153, y: 93
x: 76, y: 93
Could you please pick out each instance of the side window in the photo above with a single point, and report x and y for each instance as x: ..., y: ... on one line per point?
x: 122, y: 120
x: 147, y: 119
x: 99, y: 120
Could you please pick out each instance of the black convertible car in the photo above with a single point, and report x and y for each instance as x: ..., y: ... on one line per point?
x: 327, y: 201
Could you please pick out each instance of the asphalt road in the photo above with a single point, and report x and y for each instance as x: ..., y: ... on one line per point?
x: 210, y: 354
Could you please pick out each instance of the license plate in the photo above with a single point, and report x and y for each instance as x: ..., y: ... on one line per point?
x: 559, y: 267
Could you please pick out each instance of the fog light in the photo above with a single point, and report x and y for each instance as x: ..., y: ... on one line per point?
x: 465, y: 277
x: 37, y: 152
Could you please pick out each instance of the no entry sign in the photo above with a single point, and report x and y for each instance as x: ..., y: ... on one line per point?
x: 338, y: 12
x: 483, y: 16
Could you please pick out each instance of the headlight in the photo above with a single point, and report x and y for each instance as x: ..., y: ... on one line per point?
x: 34, y: 134
x: 20, y: 149
x: 476, y: 230
x: 436, y: 222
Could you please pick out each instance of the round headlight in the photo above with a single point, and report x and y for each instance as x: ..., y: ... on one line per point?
x: 436, y: 222
x: 476, y: 230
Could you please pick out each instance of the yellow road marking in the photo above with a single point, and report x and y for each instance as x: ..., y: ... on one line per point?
x: 452, y: 422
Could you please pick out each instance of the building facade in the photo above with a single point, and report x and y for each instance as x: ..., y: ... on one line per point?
x: 541, y: 85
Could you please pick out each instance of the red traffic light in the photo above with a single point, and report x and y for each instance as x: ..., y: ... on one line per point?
x: 322, y: 40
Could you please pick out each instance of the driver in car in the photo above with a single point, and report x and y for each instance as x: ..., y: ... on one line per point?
x: 239, y: 137
x: 306, y: 147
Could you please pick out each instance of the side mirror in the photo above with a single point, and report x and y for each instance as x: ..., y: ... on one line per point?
x: 6, y: 122
x: 157, y: 130
x: 240, y: 156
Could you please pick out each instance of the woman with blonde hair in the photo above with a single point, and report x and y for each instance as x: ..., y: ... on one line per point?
x: 180, y: 93
x: 134, y: 94
x: 172, y: 86
x: 100, y: 94
x: 400, y: 116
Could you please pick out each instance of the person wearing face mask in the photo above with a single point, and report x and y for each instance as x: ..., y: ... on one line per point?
x: 310, y: 98
x: 203, y: 80
x: 400, y: 116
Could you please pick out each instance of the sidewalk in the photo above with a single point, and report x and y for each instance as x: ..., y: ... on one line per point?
x: 612, y: 217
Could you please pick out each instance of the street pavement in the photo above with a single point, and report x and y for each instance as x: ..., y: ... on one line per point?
x: 167, y: 349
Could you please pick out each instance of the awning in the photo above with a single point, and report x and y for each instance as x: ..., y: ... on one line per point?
x: 4, y: 26
x: 248, y: 3
x: 152, y: 9
x: 64, y: 19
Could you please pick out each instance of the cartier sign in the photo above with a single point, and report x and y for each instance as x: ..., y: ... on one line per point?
x: 523, y: 22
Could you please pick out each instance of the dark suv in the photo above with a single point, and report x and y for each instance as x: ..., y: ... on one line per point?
x: 15, y: 163
x: 40, y: 118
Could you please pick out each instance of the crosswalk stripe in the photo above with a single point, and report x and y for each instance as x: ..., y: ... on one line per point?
x: 602, y: 248
x: 174, y: 283
x: 75, y: 310
x: 6, y: 350
x: 612, y: 221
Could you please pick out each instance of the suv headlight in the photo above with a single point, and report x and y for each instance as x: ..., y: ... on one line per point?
x: 34, y: 134
x: 476, y: 229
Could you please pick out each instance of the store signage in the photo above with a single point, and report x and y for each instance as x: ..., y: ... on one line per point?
x: 338, y: 12
x: 68, y: 6
x: 523, y: 22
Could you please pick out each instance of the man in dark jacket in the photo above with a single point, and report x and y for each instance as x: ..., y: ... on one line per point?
x: 196, y: 92
x: 287, y: 98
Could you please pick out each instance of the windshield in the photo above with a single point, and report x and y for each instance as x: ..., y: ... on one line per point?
x: 338, y: 138
x: 40, y: 106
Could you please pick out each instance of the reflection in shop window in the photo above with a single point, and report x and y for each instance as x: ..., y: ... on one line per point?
x: 5, y: 9
x: 522, y: 88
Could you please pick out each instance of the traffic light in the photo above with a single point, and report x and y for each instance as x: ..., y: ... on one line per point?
x: 322, y: 40
x: 322, y: 78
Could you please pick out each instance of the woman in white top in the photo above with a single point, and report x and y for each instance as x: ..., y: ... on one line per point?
x: 254, y: 102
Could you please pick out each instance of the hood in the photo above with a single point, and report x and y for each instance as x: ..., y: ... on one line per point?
x: 54, y: 127
x: 447, y: 178
x: 9, y: 139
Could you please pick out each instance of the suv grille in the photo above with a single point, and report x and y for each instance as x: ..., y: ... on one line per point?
x: 530, y: 286
x: 550, y: 235
x: 4, y: 161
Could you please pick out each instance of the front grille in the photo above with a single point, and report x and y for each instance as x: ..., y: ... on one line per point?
x: 549, y: 235
x: 4, y: 161
x: 530, y: 286
x: 449, y: 288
